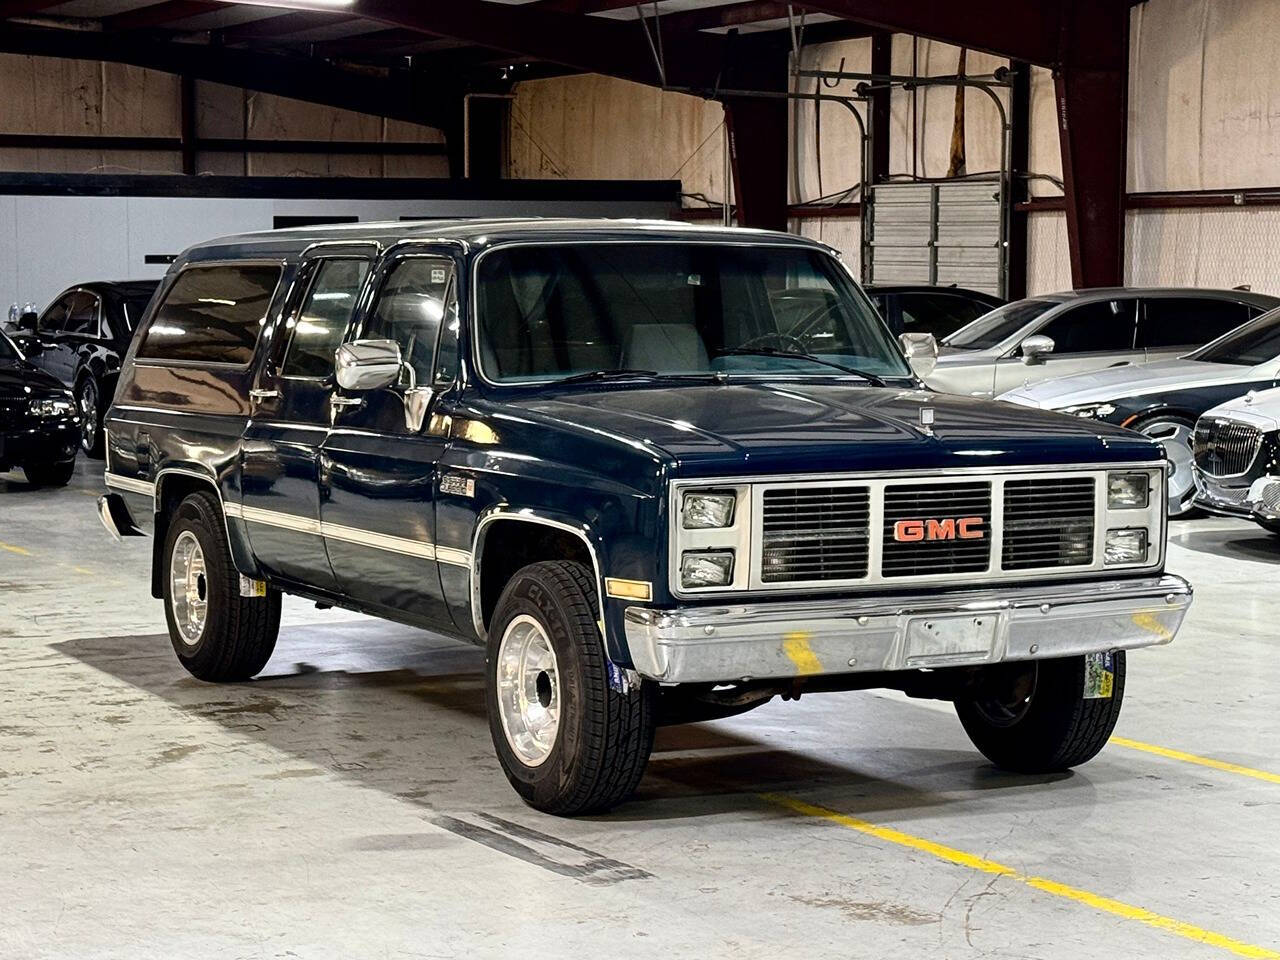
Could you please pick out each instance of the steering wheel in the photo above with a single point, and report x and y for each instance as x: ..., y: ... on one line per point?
x: 781, y: 339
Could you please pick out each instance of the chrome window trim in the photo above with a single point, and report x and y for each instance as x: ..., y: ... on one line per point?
x: 877, y: 481
x: 286, y: 315
x: 269, y: 322
x: 473, y: 314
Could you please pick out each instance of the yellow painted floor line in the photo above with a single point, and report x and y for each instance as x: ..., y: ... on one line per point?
x: 1196, y: 759
x: 960, y: 858
x: 21, y: 551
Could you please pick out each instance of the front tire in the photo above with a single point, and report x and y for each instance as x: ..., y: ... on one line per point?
x: 568, y: 741
x: 1038, y: 720
x: 89, y: 408
x: 218, y: 635
x: 49, y: 474
x: 1175, y: 433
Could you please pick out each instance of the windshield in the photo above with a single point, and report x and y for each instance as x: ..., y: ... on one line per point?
x: 8, y: 351
x: 995, y: 327
x: 550, y: 312
x: 1256, y: 342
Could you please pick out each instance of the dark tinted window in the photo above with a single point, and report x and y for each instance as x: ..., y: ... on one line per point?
x: 938, y: 313
x: 410, y: 308
x: 212, y: 315
x: 7, y: 350
x: 997, y: 326
x: 52, y: 319
x: 131, y: 310
x: 1187, y: 321
x: 82, y: 315
x: 1106, y: 325
x: 320, y: 325
x: 1255, y: 343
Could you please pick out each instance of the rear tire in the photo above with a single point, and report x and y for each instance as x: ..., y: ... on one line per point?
x: 568, y: 741
x: 49, y: 474
x: 1040, y: 721
x: 218, y: 635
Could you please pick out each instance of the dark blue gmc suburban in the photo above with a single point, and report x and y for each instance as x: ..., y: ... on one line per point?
x: 662, y: 473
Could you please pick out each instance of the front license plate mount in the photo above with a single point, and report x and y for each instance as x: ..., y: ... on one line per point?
x: 942, y: 641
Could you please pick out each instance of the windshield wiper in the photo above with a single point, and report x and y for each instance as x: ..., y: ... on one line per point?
x: 622, y: 374
x: 871, y: 378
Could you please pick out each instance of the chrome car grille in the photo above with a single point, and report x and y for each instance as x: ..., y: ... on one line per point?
x: 948, y: 552
x: 1048, y: 523
x: 815, y: 533
x: 1230, y: 494
x: 1225, y: 448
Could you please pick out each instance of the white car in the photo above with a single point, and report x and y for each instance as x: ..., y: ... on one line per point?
x: 1237, y: 459
x: 1060, y: 334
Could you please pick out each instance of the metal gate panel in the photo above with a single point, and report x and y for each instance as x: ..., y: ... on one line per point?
x: 944, y: 233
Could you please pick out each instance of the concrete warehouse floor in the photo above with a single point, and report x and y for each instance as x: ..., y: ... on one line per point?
x: 348, y: 804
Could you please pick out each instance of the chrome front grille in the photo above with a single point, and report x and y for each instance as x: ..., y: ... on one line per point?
x: 815, y: 534
x: 928, y: 541
x: 1048, y: 523
x: 1225, y: 448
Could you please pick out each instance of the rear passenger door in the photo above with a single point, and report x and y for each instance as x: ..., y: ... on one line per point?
x: 1172, y: 326
x: 1086, y: 337
x: 291, y: 413
x: 378, y: 473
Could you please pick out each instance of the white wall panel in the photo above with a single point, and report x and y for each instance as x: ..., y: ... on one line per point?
x: 1048, y: 256
x: 1204, y: 248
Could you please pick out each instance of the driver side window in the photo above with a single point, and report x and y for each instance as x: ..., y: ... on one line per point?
x: 415, y: 304
x: 51, y: 320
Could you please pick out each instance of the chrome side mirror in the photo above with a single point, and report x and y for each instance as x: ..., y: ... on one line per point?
x: 921, y: 351
x: 367, y: 364
x: 1036, y: 348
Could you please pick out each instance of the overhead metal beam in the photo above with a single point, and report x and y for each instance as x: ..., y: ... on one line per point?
x: 158, y: 14
x: 270, y: 28
x: 300, y: 78
x: 25, y: 8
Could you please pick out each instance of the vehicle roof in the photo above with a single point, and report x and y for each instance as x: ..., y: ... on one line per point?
x: 123, y: 288
x: 930, y: 288
x: 1103, y: 293
x: 479, y: 233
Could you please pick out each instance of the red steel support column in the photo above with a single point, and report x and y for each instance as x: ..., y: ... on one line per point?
x: 758, y: 132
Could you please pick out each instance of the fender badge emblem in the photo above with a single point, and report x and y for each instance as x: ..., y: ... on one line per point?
x: 458, y: 485
x: 926, y: 419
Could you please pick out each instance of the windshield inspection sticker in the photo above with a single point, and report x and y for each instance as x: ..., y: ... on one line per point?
x: 1099, y: 676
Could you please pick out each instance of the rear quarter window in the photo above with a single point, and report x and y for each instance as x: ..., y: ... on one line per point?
x: 212, y: 314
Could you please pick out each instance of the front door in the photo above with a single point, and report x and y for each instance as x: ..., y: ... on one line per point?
x: 1087, y: 337
x: 280, y: 476
x: 378, y: 470
x: 41, y: 345
x: 82, y: 325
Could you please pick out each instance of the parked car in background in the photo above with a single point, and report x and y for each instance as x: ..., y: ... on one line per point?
x: 39, y: 431
x: 940, y: 311
x: 1163, y: 399
x: 81, y: 339
x: 599, y: 449
x: 1236, y: 447
x: 1059, y: 334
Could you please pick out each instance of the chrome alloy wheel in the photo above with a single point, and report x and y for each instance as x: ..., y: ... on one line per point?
x: 88, y: 404
x: 528, y: 690
x: 188, y: 587
x: 1176, y: 437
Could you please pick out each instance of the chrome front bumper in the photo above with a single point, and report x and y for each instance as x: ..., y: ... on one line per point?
x: 959, y: 628
x: 1261, y: 501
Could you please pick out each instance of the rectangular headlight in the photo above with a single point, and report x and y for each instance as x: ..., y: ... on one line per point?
x: 708, y: 511
x: 706, y: 568
x: 1128, y: 491
x: 1126, y: 545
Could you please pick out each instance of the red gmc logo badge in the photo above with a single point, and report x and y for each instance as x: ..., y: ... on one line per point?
x: 963, y: 528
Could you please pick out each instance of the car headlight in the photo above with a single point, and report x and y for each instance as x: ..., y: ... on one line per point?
x: 1126, y: 545
x: 1090, y: 411
x: 707, y: 568
x: 49, y: 408
x: 1128, y: 491
x: 707, y: 511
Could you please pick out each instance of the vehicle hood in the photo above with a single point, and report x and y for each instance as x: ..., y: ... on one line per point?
x: 20, y: 379
x: 1129, y: 380
x: 1260, y: 409
x: 824, y: 426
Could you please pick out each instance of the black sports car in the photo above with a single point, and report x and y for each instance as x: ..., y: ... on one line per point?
x: 39, y: 429
x: 81, y: 338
